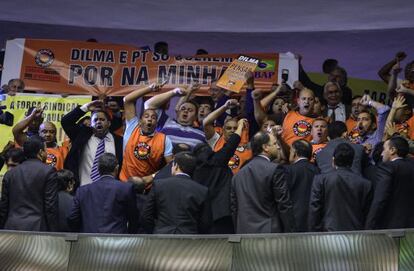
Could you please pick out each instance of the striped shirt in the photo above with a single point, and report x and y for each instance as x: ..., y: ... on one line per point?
x: 179, y: 133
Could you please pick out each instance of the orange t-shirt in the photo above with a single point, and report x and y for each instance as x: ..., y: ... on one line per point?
x: 350, y: 124
x: 407, y: 128
x: 144, y: 155
x: 296, y: 126
x: 315, y: 149
x: 56, y: 156
x: 242, y: 153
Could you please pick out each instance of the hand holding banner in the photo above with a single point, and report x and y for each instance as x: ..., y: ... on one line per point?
x: 234, y: 77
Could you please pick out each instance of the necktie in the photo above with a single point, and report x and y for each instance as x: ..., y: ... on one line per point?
x: 99, y: 151
x: 333, y: 116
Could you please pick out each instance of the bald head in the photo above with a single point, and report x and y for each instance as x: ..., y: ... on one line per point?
x: 306, y: 101
x: 47, y: 132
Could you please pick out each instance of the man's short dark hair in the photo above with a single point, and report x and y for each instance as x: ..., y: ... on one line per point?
x: 180, y: 147
x: 201, y: 51
x: 356, y: 97
x: 303, y: 148
x: 258, y: 141
x: 205, y: 100
x: 108, y: 117
x: 400, y: 144
x: 329, y: 65
x: 63, y: 177
x: 15, y: 154
x: 186, y: 162
x: 344, y: 155
x: 107, y: 164
x: 161, y: 47
x: 336, y: 129
x: 408, y: 68
x: 32, y: 147
x: 371, y: 115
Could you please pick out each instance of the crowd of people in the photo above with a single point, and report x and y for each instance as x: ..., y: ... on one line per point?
x: 299, y: 158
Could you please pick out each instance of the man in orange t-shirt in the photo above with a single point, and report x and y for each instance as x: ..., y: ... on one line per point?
x: 145, y: 150
x: 319, y: 136
x: 298, y: 124
x: 217, y: 141
x: 47, y: 131
x: 242, y: 153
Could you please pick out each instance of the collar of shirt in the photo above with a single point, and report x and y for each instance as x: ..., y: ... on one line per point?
x: 149, y: 135
x: 265, y: 157
x: 107, y: 137
x: 396, y: 158
x: 182, y: 174
x: 300, y: 159
x: 106, y: 175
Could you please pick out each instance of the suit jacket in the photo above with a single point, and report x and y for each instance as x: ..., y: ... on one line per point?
x: 29, y: 198
x: 324, y: 157
x: 260, y: 199
x: 105, y: 206
x: 300, y: 179
x: 176, y: 205
x: 214, y: 173
x: 65, y: 205
x: 80, y: 135
x: 393, y: 201
x: 339, y: 201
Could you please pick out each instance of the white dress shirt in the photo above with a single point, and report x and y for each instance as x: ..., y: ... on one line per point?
x: 88, y: 155
x: 340, y: 113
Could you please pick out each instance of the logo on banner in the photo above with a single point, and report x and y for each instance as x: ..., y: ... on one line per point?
x: 266, y: 65
x: 142, y: 151
x: 51, y: 159
x: 302, y: 128
x: 44, y: 58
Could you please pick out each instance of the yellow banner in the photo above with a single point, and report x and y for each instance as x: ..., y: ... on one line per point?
x: 55, y: 106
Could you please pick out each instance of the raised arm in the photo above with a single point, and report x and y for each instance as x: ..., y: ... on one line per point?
x: 384, y: 72
x: 69, y: 120
x: 131, y: 98
x: 18, y: 130
x: 208, y: 122
x: 259, y: 113
x: 275, y: 90
x: 188, y: 95
x: 392, y: 80
x: 399, y: 102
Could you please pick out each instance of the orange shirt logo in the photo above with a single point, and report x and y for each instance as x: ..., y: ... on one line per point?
x: 302, y: 128
x: 142, y: 151
x: 51, y: 159
x: 234, y: 161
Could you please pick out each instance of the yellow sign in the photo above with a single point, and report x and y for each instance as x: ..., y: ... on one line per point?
x: 55, y: 106
x: 233, y: 78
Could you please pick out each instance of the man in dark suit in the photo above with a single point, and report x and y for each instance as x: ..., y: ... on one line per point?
x: 177, y: 205
x: 85, y: 140
x: 340, y: 199
x: 338, y: 134
x: 106, y: 205
x: 29, y: 195
x: 300, y: 177
x: 260, y: 200
x: 393, y: 200
x: 213, y: 172
x: 337, y: 111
